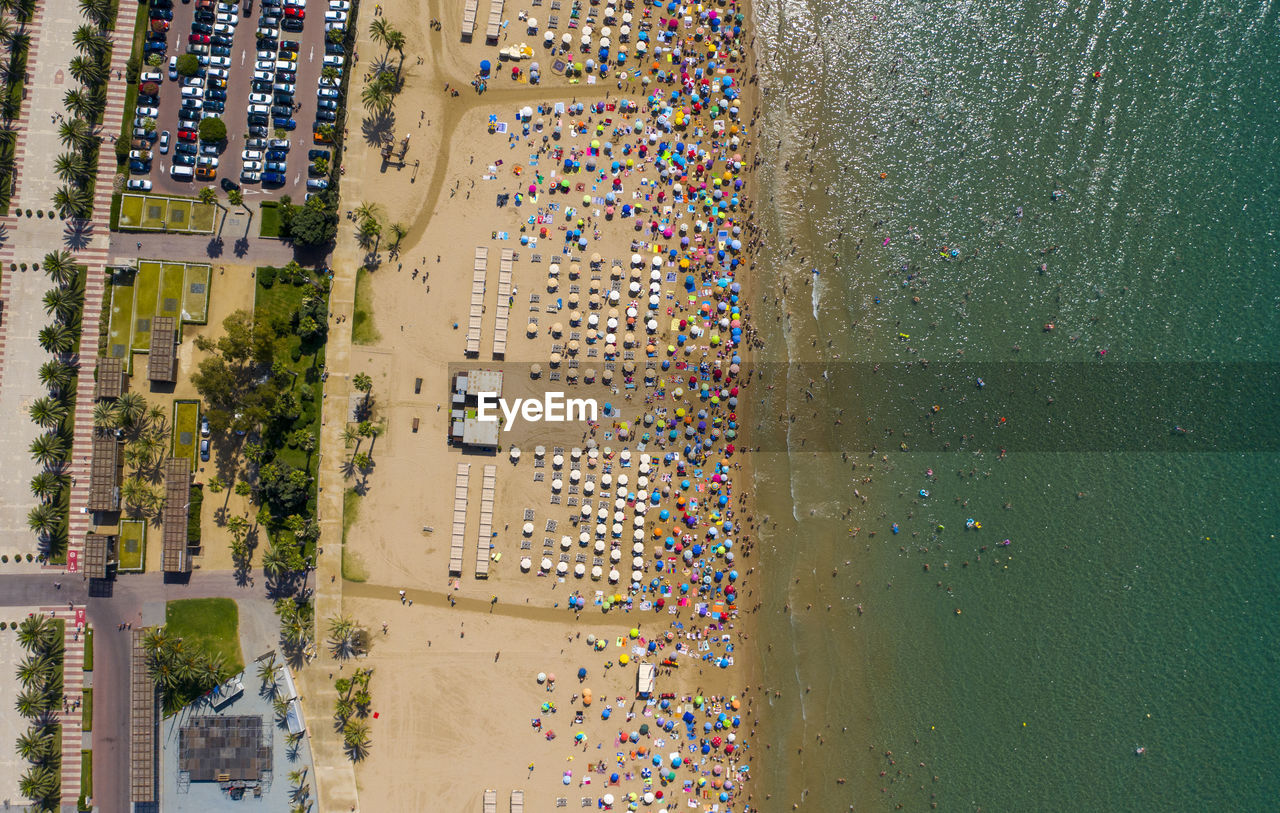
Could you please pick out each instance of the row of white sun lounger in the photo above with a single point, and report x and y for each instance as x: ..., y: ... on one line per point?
x: 469, y: 18
x: 495, y: 20
x: 461, y: 483
x: 491, y: 801
x: 477, y: 300
x: 504, y: 306
x: 487, y: 485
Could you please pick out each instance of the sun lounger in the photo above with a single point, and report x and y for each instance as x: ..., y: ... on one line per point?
x: 504, y: 307
x: 469, y: 18
x: 474, y: 318
x: 494, y: 26
x: 490, y: 801
x: 461, y: 483
x: 487, y: 487
x: 517, y: 801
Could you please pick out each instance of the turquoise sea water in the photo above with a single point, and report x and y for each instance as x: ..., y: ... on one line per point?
x: 1136, y: 601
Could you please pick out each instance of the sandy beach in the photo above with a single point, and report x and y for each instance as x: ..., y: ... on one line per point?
x: 627, y: 265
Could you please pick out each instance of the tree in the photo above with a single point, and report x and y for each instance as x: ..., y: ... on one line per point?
x: 88, y: 71
x: 62, y: 303
x: 131, y: 406
x: 213, y: 129
x: 376, y: 97
x: 35, y: 746
x: 207, y: 195
x: 349, y: 436
x: 313, y: 226
x: 78, y: 102
x: 73, y: 202
x: 268, y: 672
x: 275, y: 560
x: 98, y: 11
x: 106, y: 415
x: 398, y: 231
x: 49, y: 449
x: 231, y: 379
x: 355, y: 739
x: 43, y: 520
x: 71, y: 167
x: 335, y: 35
x: 378, y: 30
x: 60, y: 267
x: 235, y: 197
x: 77, y: 134
x: 47, y: 413
x: 46, y: 485
x: 39, y: 784
x: 362, y: 382
x: 56, y: 375
x: 216, y: 485
x: 342, y: 637
x: 395, y: 41
x: 89, y: 41
x: 188, y: 65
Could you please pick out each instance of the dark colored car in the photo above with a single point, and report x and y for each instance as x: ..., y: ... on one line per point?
x: 215, y: 106
x: 218, y: 39
x: 293, y: 24
x: 228, y: 185
x: 314, y: 154
x: 277, y: 155
x: 139, y: 166
x: 289, y: 45
x: 333, y: 48
x: 155, y: 36
x: 165, y: 14
x: 216, y: 94
x: 184, y: 160
x: 220, y: 50
x: 204, y: 16
x: 204, y: 449
x: 202, y: 28
x: 148, y: 101
x: 262, y: 86
x: 281, y: 111
x: 258, y: 130
x: 186, y: 148
x: 273, y: 177
x: 326, y: 116
x: 151, y: 47
x: 282, y: 123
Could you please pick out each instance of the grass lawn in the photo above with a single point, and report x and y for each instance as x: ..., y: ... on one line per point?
x: 195, y: 294
x: 362, y: 329
x: 186, y: 429
x: 155, y: 289
x: 87, y: 710
x: 160, y: 213
x: 270, y: 219
x: 133, y: 545
x: 130, y: 208
x: 88, y: 650
x: 120, y: 331
x: 171, y: 279
x: 203, y: 217
x: 86, y: 773
x: 209, y: 623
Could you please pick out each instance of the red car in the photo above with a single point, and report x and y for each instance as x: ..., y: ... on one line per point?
x: 293, y: 11
x: 188, y: 135
x: 198, y: 39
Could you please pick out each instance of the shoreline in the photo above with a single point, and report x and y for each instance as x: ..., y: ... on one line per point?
x: 426, y: 303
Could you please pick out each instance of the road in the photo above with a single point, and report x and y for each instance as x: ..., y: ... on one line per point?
x: 202, y: 248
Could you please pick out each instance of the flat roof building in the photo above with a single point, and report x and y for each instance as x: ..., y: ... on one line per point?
x: 175, y: 558
x: 110, y: 383
x: 106, y: 467
x: 464, y: 426
x: 163, y: 362
x: 99, y: 555
x: 224, y: 749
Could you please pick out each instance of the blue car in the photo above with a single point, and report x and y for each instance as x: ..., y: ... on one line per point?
x: 184, y: 160
x: 277, y: 155
x: 162, y: 14
x: 152, y: 47
x: 273, y: 177
x: 284, y: 124
x: 139, y: 166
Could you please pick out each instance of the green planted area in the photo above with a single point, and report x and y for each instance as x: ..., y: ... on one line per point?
x: 197, y: 648
x: 186, y: 429
x: 270, y: 213
x: 180, y: 290
x: 159, y: 213
x: 133, y: 545
x: 362, y: 329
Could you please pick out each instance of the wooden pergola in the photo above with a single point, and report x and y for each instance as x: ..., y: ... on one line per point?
x: 163, y: 363
x: 110, y: 383
x: 105, y: 469
x: 175, y: 557
x: 142, y: 726
x: 100, y: 553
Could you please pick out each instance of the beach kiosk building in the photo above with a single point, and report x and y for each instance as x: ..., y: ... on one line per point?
x: 646, y: 680
x: 464, y: 427
x: 162, y: 364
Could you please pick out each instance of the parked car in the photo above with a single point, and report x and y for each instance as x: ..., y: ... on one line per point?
x: 277, y: 166
x: 317, y: 183
x: 333, y: 60
x: 220, y: 50
x: 206, y: 173
x: 204, y: 450
x: 259, y: 130
x: 327, y: 93
x: 165, y: 14
x: 186, y: 148
x: 153, y: 47
x: 204, y: 16
x: 327, y: 104
x: 229, y: 19
x: 164, y: 142
x: 229, y: 185
x: 202, y: 28
x: 196, y: 39
x: 192, y: 92
x: 335, y: 16
x: 187, y: 134
x: 194, y: 103
x: 294, y: 13
x: 184, y: 160
x: 140, y: 185
x: 326, y: 116
x: 219, y: 73
x: 339, y: 5
x: 207, y: 148
x: 281, y: 111
x: 208, y: 161
x: 277, y: 155
x: 139, y: 166
x: 215, y: 94
x: 147, y: 112
x: 282, y: 123
x: 291, y: 24
x: 278, y: 144
x: 276, y: 178
x: 334, y: 48
x: 215, y: 106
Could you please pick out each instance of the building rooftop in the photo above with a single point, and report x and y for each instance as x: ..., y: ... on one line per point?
x: 99, y: 554
x: 110, y: 383
x: 105, y: 469
x: 163, y: 362
x: 177, y: 499
x: 224, y: 749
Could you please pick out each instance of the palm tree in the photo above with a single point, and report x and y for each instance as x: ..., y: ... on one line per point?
x: 34, y: 746
x: 132, y: 407
x: 31, y: 703
x: 78, y: 102
x: 56, y: 375
x: 47, y: 413
x: 88, y: 71
x: 350, y: 436
x: 46, y: 485
x: 72, y: 167
x: 394, y: 40
x: 275, y: 560
x: 77, y: 134
x: 378, y: 30
x: 7, y: 28
x: 268, y: 671
x: 89, y: 41
x: 98, y: 11
x: 367, y: 210
x: 36, y: 631
x: 235, y: 197
x: 43, y: 519
x: 207, y: 195
x: 56, y: 339
x: 106, y: 415
x: 342, y: 637
x: 73, y: 202
x: 39, y: 784
x: 48, y: 449
x: 355, y: 739
x: 370, y: 230
x: 35, y: 670
x: 63, y: 303
x: 375, y: 97
x: 155, y: 641
x: 60, y: 266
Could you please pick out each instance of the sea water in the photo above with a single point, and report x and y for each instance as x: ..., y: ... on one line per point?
x: 1077, y: 204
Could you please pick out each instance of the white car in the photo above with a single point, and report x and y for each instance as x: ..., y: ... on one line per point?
x: 265, y: 64
x: 148, y: 112
x: 173, y: 67
x: 220, y: 73
x: 195, y: 104
x: 224, y: 30
x: 229, y: 8
x: 335, y: 16
x: 263, y: 75
x: 208, y: 161
x: 339, y: 5
x: 259, y: 98
x: 192, y: 92
x: 229, y: 19
x: 140, y: 184
x: 279, y: 144
x: 140, y: 155
x: 333, y: 60
x: 252, y: 166
x: 335, y: 26
x: 220, y: 61
x: 266, y: 56
x: 250, y: 176
x: 327, y: 93
x: 150, y: 76
x: 251, y: 155
x: 259, y: 108
x: 326, y: 82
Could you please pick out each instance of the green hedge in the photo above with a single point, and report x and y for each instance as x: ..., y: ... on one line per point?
x: 193, y: 514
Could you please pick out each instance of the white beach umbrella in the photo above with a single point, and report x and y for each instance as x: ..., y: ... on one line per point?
x: 566, y: 542
x: 596, y: 572
x: 615, y: 555
x: 527, y: 528
x: 613, y: 579
x: 557, y: 484
x: 546, y: 563
x: 586, y: 510
x: 562, y: 568
x: 579, y: 570
x: 526, y: 563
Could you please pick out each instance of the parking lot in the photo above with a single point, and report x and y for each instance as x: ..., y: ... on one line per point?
x: 275, y: 76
